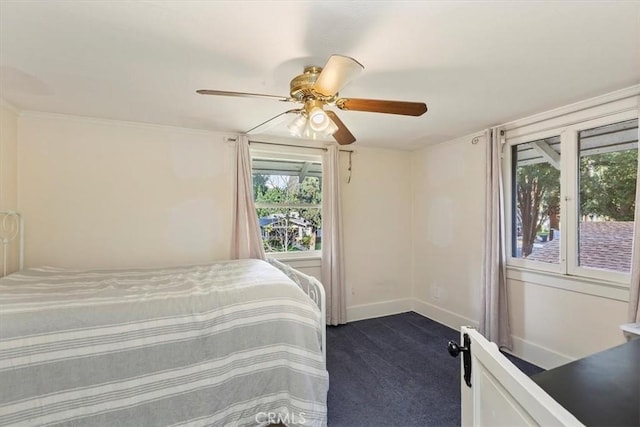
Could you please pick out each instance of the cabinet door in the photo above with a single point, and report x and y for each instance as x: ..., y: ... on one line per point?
x: 501, y: 395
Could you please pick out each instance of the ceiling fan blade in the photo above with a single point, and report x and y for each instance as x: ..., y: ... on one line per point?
x: 343, y: 136
x: 241, y: 94
x: 381, y: 106
x: 335, y: 75
x: 268, y: 124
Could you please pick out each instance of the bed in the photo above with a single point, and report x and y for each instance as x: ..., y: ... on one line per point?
x: 237, y: 342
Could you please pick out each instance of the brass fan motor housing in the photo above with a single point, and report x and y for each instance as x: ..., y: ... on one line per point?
x: 302, y: 86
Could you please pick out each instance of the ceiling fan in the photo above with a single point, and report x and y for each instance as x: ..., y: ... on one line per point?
x: 317, y: 88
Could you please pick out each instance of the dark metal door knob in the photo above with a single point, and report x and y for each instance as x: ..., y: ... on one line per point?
x: 455, y: 349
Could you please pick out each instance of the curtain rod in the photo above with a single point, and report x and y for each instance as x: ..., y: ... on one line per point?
x: 294, y: 145
x: 300, y: 146
x: 289, y: 145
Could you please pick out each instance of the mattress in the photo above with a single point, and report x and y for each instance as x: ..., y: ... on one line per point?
x: 229, y: 343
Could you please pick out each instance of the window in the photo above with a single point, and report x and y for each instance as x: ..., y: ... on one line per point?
x: 536, y: 195
x: 572, y: 198
x: 608, y: 161
x: 288, y: 196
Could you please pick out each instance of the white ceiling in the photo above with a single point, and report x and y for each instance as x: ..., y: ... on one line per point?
x: 475, y: 64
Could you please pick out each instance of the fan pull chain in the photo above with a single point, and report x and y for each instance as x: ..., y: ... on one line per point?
x: 349, y: 180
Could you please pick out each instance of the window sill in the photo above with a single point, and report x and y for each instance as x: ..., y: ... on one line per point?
x: 600, y: 288
x: 296, y: 256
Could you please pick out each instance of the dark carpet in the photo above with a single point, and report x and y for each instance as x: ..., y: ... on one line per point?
x: 395, y: 371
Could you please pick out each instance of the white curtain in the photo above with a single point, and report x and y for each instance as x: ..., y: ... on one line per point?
x: 494, y: 321
x: 246, y: 239
x: 634, y: 300
x: 332, y: 253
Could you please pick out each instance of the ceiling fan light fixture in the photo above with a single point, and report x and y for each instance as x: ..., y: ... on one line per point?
x: 297, y: 126
x: 318, y: 119
x: 331, y: 127
x: 309, y: 133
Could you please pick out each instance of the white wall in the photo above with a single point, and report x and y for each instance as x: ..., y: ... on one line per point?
x: 377, y: 231
x: 9, y: 172
x: 8, y: 157
x: 98, y: 193
x: 554, y: 326
x: 448, y: 194
x: 550, y: 326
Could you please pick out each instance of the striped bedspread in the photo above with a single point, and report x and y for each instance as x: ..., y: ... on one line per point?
x: 230, y: 343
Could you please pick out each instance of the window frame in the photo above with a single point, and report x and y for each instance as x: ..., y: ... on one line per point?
x: 288, y: 153
x: 593, y: 281
x: 510, y: 206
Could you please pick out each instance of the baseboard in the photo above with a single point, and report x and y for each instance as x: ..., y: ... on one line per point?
x: 378, y: 309
x: 440, y: 315
x: 538, y: 355
x: 526, y: 350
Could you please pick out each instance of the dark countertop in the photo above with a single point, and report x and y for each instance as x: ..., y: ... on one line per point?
x: 599, y: 390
